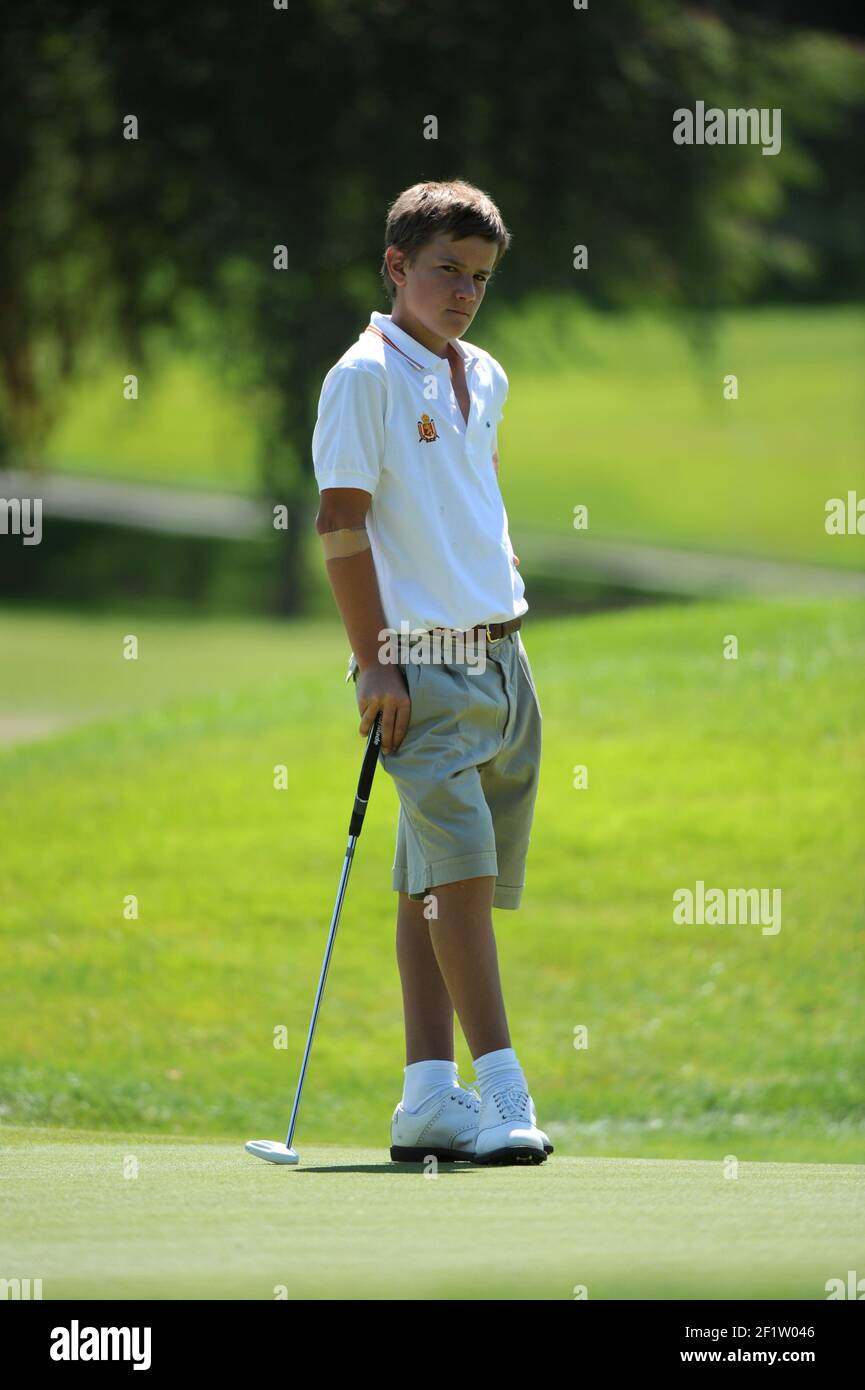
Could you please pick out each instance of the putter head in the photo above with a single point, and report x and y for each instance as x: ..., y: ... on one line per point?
x: 272, y: 1150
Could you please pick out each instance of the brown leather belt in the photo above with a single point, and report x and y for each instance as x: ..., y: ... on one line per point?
x: 491, y: 631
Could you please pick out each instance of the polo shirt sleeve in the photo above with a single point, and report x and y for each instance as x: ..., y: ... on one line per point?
x: 348, y: 439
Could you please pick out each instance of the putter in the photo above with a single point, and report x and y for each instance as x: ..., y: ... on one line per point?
x: 271, y: 1149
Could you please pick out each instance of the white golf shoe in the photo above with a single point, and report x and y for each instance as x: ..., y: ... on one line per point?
x: 507, y: 1132
x: 447, y: 1128
x: 444, y: 1129
x: 548, y: 1148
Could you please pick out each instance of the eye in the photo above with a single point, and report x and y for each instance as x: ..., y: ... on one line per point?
x: 480, y: 275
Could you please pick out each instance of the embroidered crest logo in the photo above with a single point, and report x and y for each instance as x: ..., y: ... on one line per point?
x: 427, y: 432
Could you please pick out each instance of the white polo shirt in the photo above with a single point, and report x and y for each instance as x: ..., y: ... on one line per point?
x: 389, y: 422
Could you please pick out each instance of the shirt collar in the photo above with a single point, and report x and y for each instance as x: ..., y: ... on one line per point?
x: 415, y: 350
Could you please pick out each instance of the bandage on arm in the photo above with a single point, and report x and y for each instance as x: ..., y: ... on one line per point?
x: 348, y: 540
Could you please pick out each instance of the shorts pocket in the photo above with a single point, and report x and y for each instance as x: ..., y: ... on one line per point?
x: 522, y: 656
x: 413, y: 672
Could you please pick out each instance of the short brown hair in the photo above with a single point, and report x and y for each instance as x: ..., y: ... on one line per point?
x: 421, y: 212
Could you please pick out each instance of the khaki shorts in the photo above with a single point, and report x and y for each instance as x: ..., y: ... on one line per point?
x: 466, y: 773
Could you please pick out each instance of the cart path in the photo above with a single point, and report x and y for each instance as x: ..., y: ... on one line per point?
x: 644, y: 568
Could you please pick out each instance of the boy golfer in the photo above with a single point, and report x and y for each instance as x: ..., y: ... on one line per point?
x: 415, y: 538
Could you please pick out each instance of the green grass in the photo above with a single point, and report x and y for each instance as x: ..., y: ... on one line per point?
x: 703, y: 1041
x: 185, y: 429
x: 132, y: 1217
x: 614, y: 412
x: 637, y: 429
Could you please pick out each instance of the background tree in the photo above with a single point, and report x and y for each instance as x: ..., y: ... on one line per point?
x: 298, y: 126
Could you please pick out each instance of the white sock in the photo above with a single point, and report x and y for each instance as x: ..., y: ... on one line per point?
x: 424, y: 1080
x: 499, y: 1068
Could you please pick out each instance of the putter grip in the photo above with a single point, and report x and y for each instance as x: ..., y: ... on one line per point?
x: 367, y: 772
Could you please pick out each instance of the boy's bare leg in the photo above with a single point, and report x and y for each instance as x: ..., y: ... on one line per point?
x: 465, y: 948
x: 429, y: 1013
x: 462, y: 946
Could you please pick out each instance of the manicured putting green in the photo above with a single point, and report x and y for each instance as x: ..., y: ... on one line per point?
x: 132, y: 1216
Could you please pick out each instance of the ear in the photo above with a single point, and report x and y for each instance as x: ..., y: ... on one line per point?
x: 396, y: 261
x: 496, y: 460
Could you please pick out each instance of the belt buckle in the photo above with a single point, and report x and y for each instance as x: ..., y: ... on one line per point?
x: 489, y: 635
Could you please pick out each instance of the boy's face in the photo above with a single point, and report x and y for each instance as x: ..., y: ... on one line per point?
x: 441, y: 291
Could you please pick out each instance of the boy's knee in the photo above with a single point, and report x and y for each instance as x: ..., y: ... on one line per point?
x: 466, y: 885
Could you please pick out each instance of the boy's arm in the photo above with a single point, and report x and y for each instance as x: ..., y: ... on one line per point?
x: 352, y: 576
x: 355, y: 588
